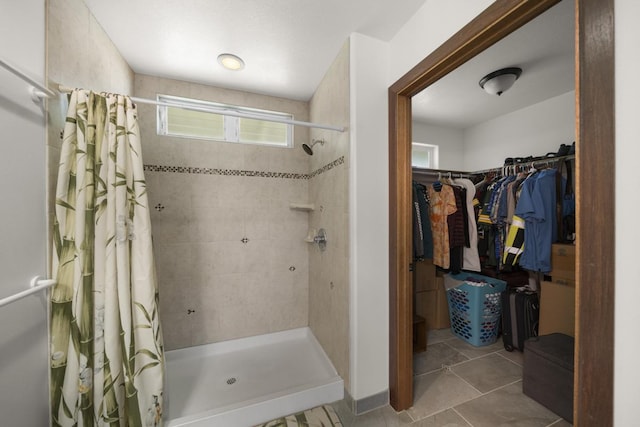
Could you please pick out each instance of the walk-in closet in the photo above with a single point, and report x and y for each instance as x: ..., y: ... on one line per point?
x: 500, y: 130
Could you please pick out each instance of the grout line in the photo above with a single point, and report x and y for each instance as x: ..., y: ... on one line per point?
x: 470, y: 385
x: 502, y: 386
x: 461, y: 416
x: 499, y: 353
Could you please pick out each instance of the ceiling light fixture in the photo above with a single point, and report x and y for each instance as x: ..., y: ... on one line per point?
x: 231, y: 62
x: 500, y: 81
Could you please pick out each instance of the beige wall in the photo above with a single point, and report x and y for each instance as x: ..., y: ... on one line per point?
x: 329, y: 191
x: 78, y: 54
x: 214, y: 287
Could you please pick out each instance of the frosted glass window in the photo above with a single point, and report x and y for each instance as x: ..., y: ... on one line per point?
x: 424, y: 155
x: 191, y: 123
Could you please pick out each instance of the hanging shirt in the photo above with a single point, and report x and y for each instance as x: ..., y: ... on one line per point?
x: 471, y: 259
x: 443, y: 204
x: 422, y: 240
x: 536, y: 205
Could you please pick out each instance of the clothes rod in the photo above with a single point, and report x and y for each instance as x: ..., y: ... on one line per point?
x: 37, y: 284
x: 529, y: 164
x: 45, y: 92
x: 224, y: 112
x: 442, y: 173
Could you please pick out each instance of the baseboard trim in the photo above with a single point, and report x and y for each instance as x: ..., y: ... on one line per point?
x: 366, y: 404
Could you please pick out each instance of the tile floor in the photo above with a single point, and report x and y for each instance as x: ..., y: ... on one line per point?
x: 459, y: 385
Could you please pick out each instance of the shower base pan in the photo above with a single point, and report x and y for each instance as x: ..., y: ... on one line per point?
x: 244, y: 382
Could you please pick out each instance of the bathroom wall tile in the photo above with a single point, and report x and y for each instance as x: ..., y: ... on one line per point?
x: 239, y: 321
x: 329, y: 270
x: 172, y: 224
x: 257, y: 157
x: 74, y: 41
x: 256, y: 256
x: 232, y: 156
x: 203, y: 191
x: 176, y: 325
x: 174, y: 261
x: 205, y: 326
x: 203, y: 258
x: 230, y: 192
x: 215, y: 224
x: 286, y: 222
x: 257, y: 191
x: 229, y: 257
x: 176, y: 333
x: 292, y: 160
x: 150, y: 86
x: 256, y: 222
x: 284, y: 254
x: 288, y: 285
x: 206, y: 154
x: 224, y: 290
x: 244, y: 289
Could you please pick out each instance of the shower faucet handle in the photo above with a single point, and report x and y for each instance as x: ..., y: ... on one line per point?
x: 321, y: 239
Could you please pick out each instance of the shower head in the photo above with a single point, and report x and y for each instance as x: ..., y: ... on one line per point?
x: 308, y: 148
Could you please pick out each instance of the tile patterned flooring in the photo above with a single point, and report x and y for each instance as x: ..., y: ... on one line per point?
x: 459, y: 385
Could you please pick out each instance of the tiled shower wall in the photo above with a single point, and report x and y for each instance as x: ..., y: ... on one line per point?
x: 230, y: 253
x: 79, y: 54
x: 329, y: 270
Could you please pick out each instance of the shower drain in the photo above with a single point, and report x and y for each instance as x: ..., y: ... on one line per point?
x: 231, y: 380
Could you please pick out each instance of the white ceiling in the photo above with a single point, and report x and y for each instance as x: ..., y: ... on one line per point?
x: 544, y: 49
x: 287, y: 45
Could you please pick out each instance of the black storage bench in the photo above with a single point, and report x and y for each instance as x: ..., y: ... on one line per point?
x: 548, y: 372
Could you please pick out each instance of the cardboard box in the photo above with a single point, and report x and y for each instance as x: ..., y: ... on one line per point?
x: 563, y: 264
x: 557, y: 309
x: 425, y: 276
x: 433, y: 306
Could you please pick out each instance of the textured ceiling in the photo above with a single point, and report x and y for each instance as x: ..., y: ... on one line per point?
x: 287, y: 45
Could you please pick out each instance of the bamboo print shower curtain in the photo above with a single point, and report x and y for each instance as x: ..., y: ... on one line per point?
x: 107, y: 360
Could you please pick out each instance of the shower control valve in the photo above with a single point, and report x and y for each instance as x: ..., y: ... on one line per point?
x: 321, y: 239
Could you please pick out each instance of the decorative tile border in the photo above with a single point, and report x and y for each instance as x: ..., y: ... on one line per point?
x: 237, y: 172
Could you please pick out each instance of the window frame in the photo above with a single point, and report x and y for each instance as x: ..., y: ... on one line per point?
x: 231, y: 124
x: 434, y: 150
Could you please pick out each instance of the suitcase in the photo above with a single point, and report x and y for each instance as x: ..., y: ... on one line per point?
x: 520, y: 315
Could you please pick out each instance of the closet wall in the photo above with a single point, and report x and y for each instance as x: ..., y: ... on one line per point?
x: 531, y: 131
x: 450, y: 142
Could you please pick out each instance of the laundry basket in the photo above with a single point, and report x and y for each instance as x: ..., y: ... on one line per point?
x: 474, y: 306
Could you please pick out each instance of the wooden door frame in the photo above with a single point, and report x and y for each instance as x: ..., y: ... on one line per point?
x: 595, y: 133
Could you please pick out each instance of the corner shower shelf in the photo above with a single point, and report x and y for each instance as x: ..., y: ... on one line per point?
x: 306, y: 207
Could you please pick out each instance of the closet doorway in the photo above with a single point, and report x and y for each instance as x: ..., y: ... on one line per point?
x: 594, y: 88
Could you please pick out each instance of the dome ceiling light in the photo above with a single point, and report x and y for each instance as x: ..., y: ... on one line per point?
x: 500, y: 81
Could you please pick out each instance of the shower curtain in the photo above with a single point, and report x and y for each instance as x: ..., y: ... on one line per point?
x: 107, y: 361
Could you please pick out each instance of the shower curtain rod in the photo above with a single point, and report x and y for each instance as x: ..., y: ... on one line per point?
x: 223, y: 112
x: 39, y: 91
x: 37, y: 284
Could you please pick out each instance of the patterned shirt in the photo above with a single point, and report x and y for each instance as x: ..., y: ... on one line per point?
x: 443, y: 204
